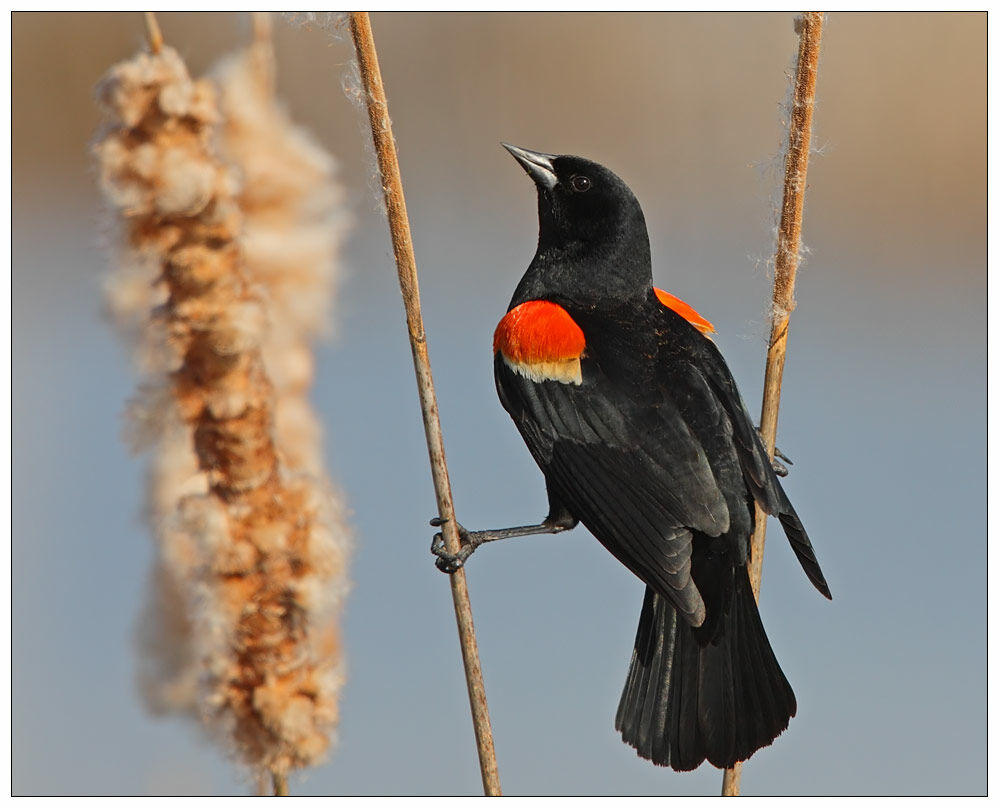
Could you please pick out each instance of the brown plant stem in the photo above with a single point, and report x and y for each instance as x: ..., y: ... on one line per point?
x: 395, y: 203
x: 153, y: 32
x: 809, y: 27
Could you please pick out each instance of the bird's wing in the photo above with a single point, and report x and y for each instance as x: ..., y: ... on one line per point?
x: 705, y: 361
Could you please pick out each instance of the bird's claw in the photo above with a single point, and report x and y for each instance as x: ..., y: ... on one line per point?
x: 779, y: 468
x: 447, y: 562
x: 775, y: 462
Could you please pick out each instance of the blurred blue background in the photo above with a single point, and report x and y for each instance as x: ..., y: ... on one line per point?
x: 883, y: 410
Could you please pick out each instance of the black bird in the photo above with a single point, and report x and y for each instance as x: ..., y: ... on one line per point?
x: 633, y: 416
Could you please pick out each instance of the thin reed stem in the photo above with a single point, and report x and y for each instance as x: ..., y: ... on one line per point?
x: 809, y: 27
x: 153, y: 32
x: 262, y: 26
x: 262, y: 49
x: 280, y: 784
x: 402, y: 245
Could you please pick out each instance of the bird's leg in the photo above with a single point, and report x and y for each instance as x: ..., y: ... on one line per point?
x: 470, y: 540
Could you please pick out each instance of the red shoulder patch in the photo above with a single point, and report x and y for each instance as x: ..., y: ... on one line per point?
x: 685, y: 311
x: 540, y: 340
x: 538, y: 331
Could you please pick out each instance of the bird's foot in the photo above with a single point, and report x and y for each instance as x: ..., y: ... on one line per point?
x: 451, y: 562
x: 775, y: 462
x: 779, y: 468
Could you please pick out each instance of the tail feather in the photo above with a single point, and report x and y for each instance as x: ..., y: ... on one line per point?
x: 644, y: 700
x: 717, y: 719
x: 764, y: 707
x: 685, y: 702
x: 682, y: 723
x: 652, y: 712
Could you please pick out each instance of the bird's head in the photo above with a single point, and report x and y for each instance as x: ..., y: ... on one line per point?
x: 579, y: 200
x: 588, y: 215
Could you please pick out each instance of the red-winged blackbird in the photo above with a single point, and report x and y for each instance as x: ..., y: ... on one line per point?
x: 634, y: 418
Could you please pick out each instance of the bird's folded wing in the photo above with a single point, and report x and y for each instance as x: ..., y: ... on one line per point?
x: 707, y: 363
x: 628, y: 467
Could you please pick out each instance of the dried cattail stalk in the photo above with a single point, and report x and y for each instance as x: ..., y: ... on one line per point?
x: 402, y: 246
x: 251, y: 539
x: 809, y: 29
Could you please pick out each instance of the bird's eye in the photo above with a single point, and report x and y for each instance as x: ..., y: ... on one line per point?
x: 579, y: 183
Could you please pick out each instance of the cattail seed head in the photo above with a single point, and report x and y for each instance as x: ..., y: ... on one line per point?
x: 231, y: 223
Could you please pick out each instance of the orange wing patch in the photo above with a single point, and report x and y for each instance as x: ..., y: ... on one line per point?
x: 540, y: 340
x: 685, y: 311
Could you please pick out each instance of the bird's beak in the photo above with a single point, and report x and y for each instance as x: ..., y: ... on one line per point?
x: 537, y: 164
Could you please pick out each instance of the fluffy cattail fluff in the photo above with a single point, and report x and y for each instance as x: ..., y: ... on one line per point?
x: 230, y: 231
